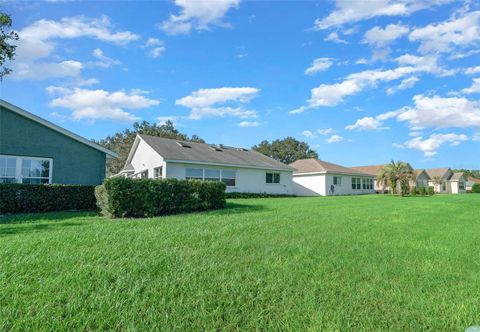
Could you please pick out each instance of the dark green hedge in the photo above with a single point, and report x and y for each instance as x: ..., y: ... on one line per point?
x: 255, y: 195
x: 26, y: 198
x: 122, y: 197
x: 476, y: 188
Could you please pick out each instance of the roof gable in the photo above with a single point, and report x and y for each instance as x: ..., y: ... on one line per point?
x: 54, y: 127
x: 312, y: 165
x: 191, y: 152
x: 438, y: 172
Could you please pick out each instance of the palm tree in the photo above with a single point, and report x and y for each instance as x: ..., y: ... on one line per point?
x: 397, y: 176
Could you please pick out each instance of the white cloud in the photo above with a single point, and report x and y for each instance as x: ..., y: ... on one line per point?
x: 361, y: 61
x: 197, y: 14
x: 37, y: 42
x: 429, y: 146
x: 308, y: 134
x: 406, y: 83
x: 476, y: 137
x: 474, y: 88
x: 163, y: 119
x: 461, y: 32
x: 472, y: 70
x: 325, y: 132
x: 319, y: 64
x: 438, y: 112
x: 156, y: 52
x: 103, y: 60
x: 246, y: 124
x: 334, y: 37
x: 334, y: 139
x: 379, y: 37
x: 348, y: 11
x: 211, y: 102
x: 299, y: 110
x: 156, y: 47
x: 99, y: 104
x: 369, y: 123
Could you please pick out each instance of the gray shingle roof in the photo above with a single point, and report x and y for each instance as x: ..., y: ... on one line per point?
x: 437, y: 172
x: 456, y: 176
x: 171, y: 149
x: 313, y: 165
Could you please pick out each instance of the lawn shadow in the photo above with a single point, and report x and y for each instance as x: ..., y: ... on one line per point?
x: 45, y: 216
x: 236, y: 208
x: 29, y: 228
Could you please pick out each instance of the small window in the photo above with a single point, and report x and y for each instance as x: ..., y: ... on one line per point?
x: 356, y: 183
x: 35, y: 171
x: 337, y: 180
x: 461, y: 185
x: 183, y: 145
x: 272, y: 178
x: 194, y: 173
x: 158, y: 172
x: 144, y: 174
x: 364, y: 184
x: 228, y: 177
x: 212, y: 174
x: 444, y: 186
x: 8, y: 169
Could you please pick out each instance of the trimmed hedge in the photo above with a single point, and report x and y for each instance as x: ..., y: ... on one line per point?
x: 476, y: 188
x: 121, y: 197
x: 431, y: 191
x: 255, y: 195
x: 27, y: 198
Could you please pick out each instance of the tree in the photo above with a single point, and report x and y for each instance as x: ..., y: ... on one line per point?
x: 7, y: 49
x: 397, y: 175
x: 286, y: 150
x: 122, y: 142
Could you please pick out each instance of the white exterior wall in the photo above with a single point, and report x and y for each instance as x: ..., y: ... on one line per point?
x: 249, y: 180
x: 320, y: 185
x: 145, y: 158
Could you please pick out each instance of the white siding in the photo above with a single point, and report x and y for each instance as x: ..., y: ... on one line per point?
x: 145, y: 158
x: 320, y: 185
x: 247, y: 179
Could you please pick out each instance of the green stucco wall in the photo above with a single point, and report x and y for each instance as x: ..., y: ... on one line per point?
x: 73, y: 162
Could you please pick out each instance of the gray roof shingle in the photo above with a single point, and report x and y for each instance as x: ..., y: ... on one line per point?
x: 171, y: 149
x: 313, y: 165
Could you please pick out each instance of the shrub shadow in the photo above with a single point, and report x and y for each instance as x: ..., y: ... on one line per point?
x: 46, y: 216
x: 29, y: 228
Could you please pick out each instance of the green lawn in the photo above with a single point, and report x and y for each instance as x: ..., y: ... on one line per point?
x: 337, y: 263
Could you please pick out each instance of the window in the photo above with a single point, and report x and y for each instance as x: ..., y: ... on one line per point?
x: 444, y: 186
x: 356, y: 183
x: 32, y: 170
x: 144, y: 174
x: 212, y: 174
x: 194, y: 173
x: 228, y: 177
x: 461, y: 185
x: 272, y: 178
x: 8, y: 169
x: 337, y: 180
x: 364, y: 184
x: 158, y: 172
x: 369, y: 184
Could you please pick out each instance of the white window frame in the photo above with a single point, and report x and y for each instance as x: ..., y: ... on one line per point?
x: 221, y: 170
x: 18, y: 167
x: 161, y: 172
x: 273, y: 178
x: 337, y: 177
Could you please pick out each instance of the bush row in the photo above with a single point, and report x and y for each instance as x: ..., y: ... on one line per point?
x: 476, y: 188
x: 122, y: 197
x: 430, y: 191
x: 26, y: 198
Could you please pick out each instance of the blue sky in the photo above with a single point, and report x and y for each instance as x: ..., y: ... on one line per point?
x: 361, y: 82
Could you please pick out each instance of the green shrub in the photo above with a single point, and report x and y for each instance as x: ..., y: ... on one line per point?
x: 413, y: 191
x: 431, y: 191
x: 27, y: 198
x: 254, y: 195
x: 122, y: 197
x: 422, y: 191
x: 476, y: 188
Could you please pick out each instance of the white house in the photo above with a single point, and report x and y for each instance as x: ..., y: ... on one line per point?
x: 242, y: 170
x: 313, y: 177
x: 445, y: 181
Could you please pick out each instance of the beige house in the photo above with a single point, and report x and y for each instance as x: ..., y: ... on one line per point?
x: 313, y: 177
x: 445, y: 181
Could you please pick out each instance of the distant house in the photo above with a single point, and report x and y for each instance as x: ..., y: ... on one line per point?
x: 445, y: 181
x: 313, y: 177
x: 242, y: 170
x: 34, y: 150
x: 420, y: 179
x: 470, y: 182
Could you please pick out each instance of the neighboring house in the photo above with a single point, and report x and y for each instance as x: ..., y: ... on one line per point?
x: 374, y: 170
x: 470, y: 182
x: 34, y: 150
x: 420, y: 179
x: 444, y: 181
x: 314, y: 177
x: 242, y: 170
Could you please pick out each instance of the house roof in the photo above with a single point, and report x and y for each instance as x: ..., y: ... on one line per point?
x: 54, y: 127
x: 456, y: 176
x: 475, y: 180
x: 418, y: 172
x: 437, y: 172
x: 182, y: 151
x: 313, y: 165
x: 372, y: 169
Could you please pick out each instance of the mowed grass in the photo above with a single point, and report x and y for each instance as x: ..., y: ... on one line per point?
x: 335, y: 263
